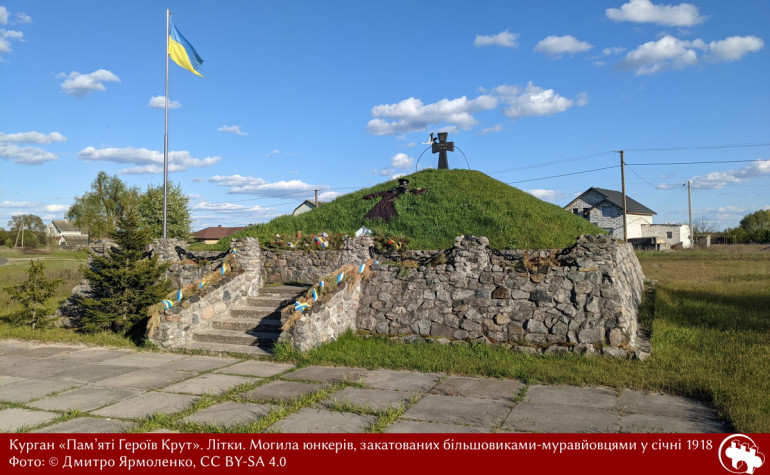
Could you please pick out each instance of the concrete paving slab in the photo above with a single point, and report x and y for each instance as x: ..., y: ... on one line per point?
x: 487, y: 413
x: 42, y: 351
x: 646, y: 423
x: 401, y: 380
x: 201, y: 363
x: 147, y: 404
x: 262, y: 369
x: 328, y: 374
x: 84, y: 399
x: 309, y: 420
x: 11, y: 345
x: 92, y: 355
x: 145, y: 379
x: 92, y: 373
x: 483, y: 388
x: 554, y: 418
x: 375, y: 399
x: 11, y: 364
x: 662, y: 405
x: 282, y: 390
x: 34, y: 367
x: 86, y: 425
x: 31, y: 389
x: 10, y: 379
x: 230, y: 414
x: 15, y: 419
x: 419, y: 427
x: 208, y: 384
x: 146, y: 360
x: 572, y: 396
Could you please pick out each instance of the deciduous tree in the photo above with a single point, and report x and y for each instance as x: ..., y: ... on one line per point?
x: 178, y: 219
x: 98, y: 210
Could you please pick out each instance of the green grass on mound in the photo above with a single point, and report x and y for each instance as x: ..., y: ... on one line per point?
x: 457, y: 202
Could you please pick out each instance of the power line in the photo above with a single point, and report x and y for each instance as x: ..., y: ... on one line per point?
x: 573, y: 159
x: 563, y: 174
x: 699, y: 147
x: 694, y: 163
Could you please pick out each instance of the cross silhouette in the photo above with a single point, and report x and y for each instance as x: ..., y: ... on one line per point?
x: 442, y: 147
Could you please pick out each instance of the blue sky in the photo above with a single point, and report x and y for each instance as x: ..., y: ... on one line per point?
x: 337, y: 96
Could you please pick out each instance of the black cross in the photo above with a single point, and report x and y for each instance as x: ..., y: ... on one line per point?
x: 442, y: 147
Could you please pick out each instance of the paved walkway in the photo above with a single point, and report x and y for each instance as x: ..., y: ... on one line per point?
x: 115, y: 390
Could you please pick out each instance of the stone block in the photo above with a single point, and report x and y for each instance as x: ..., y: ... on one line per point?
x: 501, y: 293
x: 535, y: 326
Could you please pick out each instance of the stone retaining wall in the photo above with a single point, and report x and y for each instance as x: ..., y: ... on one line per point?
x: 307, y: 267
x: 176, y: 325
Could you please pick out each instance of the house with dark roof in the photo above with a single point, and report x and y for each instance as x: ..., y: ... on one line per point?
x: 211, y: 235
x: 66, y: 234
x: 604, y: 208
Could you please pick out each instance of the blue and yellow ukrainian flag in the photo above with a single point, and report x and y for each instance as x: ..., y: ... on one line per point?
x: 181, y: 51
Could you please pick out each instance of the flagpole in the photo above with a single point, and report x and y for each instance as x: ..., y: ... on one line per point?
x: 165, y: 138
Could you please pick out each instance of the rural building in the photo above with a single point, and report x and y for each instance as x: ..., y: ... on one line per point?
x: 604, y: 208
x: 66, y: 234
x: 211, y: 235
x: 306, y: 206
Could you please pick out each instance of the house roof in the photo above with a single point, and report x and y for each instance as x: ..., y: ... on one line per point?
x: 65, y: 226
x: 76, y: 240
x: 309, y: 204
x: 217, y: 232
x: 616, y: 198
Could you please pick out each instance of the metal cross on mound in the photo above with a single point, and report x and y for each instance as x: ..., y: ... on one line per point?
x: 442, y: 147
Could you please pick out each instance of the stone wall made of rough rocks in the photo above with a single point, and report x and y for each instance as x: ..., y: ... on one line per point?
x: 585, y: 298
x: 307, y: 267
x: 176, y: 325
x: 327, y: 321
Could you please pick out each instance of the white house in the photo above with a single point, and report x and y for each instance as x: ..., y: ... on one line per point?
x: 604, y: 208
x: 66, y: 234
x: 306, y: 206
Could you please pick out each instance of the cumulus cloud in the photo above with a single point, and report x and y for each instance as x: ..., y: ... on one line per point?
x: 489, y: 130
x: 506, y: 39
x: 734, y: 47
x: 411, y: 114
x: 17, y: 204
x: 238, y: 184
x: 5, y: 37
x: 3, y: 15
x: 555, y: 46
x: 233, y: 129
x: 401, y: 160
x: 25, y: 155
x: 147, y: 161
x: 717, y: 180
x: 672, y: 53
x: 644, y: 11
x: 534, y: 101
x: 80, y: 85
x: 32, y: 137
x: 159, y: 102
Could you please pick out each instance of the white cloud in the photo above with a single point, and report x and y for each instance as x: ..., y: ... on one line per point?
x: 613, y: 50
x: 233, y: 129
x: 56, y: 208
x: 489, y: 130
x: 3, y: 15
x: 534, y: 101
x: 26, y: 155
x: 17, y: 204
x: 259, y: 187
x: 159, y: 102
x: 672, y: 53
x: 32, y: 137
x: 505, y: 39
x: 735, y: 47
x: 644, y: 11
x: 5, y: 36
x: 411, y: 114
x: 401, y: 160
x: 147, y: 161
x: 328, y: 195
x: 555, y: 46
x: 667, y: 52
x: 717, y: 180
x: 22, y: 17
x: 80, y: 85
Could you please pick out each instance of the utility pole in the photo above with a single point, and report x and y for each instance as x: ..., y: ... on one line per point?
x: 689, y: 199
x: 315, y: 203
x: 623, y: 181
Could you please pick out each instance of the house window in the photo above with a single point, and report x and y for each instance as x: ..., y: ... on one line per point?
x: 669, y: 234
x: 575, y: 211
x: 585, y: 212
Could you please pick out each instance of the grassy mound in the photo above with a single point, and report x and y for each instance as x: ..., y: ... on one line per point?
x: 457, y: 202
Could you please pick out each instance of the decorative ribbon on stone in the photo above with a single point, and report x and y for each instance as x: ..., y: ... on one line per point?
x: 340, y: 276
x: 321, y: 242
x: 321, y: 284
x: 179, y: 295
x: 361, y: 268
x: 301, y: 307
x: 167, y: 303
x: 201, y: 283
x: 315, y: 295
x: 394, y: 244
x: 223, y: 268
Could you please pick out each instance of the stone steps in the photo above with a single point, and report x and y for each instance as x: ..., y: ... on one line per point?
x: 251, y: 327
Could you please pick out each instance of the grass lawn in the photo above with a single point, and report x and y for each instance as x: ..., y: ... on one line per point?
x: 710, y: 322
